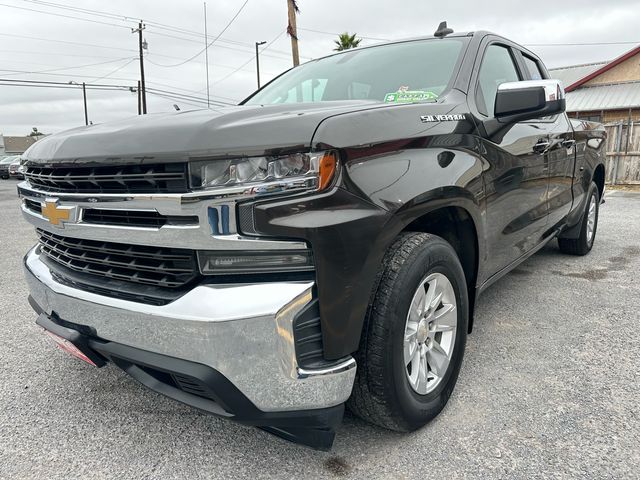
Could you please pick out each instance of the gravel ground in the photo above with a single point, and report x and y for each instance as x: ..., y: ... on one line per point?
x: 549, y: 388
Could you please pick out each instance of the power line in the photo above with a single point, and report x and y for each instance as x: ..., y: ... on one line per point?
x: 131, y: 60
x: 162, y: 26
x: 150, y: 23
x: 49, y: 82
x: 62, y: 15
x: 336, y: 34
x: 586, y: 44
x: 576, y: 44
x: 65, y: 86
x: 125, y: 18
x: 218, y: 65
x: 87, y: 11
x: 14, y: 83
x: 113, y: 78
x: 115, y: 16
x: 177, y: 99
x: 67, y: 68
x: 193, y: 97
x: 130, y: 19
x: 201, y: 102
x: 280, y: 55
x: 223, y: 40
x: 56, y: 54
x: 214, y: 40
x: 49, y: 40
x: 248, y: 61
x: 102, y: 86
x: 64, y: 42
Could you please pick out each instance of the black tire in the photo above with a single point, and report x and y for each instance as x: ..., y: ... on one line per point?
x: 382, y: 394
x: 583, y: 244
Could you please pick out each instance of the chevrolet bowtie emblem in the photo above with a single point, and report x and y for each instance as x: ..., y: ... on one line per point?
x: 57, y: 215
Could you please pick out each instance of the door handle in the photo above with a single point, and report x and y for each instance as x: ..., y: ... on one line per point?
x: 541, y: 145
x: 568, y: 143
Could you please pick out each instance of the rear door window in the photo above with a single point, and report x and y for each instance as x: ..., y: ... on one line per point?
x: 533, y: 68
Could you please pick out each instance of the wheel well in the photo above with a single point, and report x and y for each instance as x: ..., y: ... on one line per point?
x: 456, y: 226
x: 598, y: 177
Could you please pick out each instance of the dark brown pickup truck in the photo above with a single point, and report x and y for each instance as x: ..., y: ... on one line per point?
x: 321, y: 244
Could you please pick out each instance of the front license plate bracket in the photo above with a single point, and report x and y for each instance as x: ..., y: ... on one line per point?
x: 70, y: 340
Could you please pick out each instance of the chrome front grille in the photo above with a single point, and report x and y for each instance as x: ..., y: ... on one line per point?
x: 138, y: 264
x: 157, y: 178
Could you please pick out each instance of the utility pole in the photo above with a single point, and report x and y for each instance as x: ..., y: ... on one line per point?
x: 292, y: 30
x: 84, y: 97
x: 258, y: 62
x: 206, y: 50
x: 141, y: 46
x: 139, y: 99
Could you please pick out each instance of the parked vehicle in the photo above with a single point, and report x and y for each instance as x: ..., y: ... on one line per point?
x: 322, y: 243
x: 4, y: 166
x: 14, y: 168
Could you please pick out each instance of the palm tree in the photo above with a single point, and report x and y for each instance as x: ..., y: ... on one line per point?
x: 346, y: 41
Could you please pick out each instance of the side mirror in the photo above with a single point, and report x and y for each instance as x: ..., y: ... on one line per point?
x: 526, y: 100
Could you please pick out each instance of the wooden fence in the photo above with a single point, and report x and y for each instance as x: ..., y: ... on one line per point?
x: 623, y: 153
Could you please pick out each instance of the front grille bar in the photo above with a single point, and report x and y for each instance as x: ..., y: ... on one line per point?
x: 89, y: 245
x: 161, y: 267
x: 159, y: 178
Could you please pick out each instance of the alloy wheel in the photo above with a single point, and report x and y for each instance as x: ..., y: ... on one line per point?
x: 430, y: 333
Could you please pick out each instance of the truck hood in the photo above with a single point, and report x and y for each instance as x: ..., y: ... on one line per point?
x: 238, y: 130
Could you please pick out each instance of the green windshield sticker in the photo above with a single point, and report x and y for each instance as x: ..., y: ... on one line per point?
x: 409, y: 96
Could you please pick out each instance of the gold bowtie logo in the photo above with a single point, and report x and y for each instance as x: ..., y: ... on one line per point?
x: 55, y: 214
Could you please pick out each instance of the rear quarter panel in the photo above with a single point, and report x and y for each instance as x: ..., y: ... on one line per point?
x: 590, y: 152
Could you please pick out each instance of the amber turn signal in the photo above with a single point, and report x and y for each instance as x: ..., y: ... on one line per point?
x: 327, y: 170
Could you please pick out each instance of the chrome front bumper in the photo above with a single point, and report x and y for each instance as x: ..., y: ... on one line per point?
x: 242, y: 331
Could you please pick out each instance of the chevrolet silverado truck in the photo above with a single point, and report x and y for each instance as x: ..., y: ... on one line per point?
x: 321, y: 244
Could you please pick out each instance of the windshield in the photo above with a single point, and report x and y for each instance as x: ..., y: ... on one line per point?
x: 8, y: 159
x: 396, y: 73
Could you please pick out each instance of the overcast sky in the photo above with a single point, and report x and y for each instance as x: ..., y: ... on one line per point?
x: 66, y: 49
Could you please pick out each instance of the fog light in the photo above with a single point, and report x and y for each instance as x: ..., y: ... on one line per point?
x: 260, y: 261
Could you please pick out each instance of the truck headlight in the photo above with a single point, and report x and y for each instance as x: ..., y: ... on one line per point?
x: 308, y: 171
x: 214, y: 262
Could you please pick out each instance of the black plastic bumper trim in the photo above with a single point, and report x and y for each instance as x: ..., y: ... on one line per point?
x: 313, y: 428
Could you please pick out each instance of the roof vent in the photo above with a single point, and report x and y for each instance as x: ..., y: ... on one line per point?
x: 442, y: 30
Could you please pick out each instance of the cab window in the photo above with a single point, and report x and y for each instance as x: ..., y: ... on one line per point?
x: 497, y: 67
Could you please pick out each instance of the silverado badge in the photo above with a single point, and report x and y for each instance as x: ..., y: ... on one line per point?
x: 443, y: 118
x: 58, y: 214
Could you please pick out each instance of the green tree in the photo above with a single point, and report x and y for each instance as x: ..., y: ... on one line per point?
x: 346, y: 41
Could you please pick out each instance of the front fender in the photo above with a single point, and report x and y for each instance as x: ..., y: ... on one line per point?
x: 351, y: 227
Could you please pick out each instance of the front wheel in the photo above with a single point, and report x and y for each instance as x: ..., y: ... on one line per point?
x: 414, y: 336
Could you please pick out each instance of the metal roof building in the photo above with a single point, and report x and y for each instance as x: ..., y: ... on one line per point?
x: 570, y: 75
x: 615, y: 96
x: 603, y: 91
